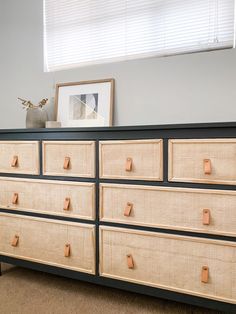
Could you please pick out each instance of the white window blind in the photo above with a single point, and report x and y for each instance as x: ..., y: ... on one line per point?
x: 82, y: 32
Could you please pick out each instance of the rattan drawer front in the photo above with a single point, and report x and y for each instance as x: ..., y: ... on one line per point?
x: 21, y: 157
x: 70, y: 199
x: 48, y: 241
x: 171, y: 208
x: 70, y: 158
x: 205, y: 161
x: 136, y: 159
x: 170, y: 262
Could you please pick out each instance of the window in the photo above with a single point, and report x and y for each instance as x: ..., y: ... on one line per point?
x: 83, y: 32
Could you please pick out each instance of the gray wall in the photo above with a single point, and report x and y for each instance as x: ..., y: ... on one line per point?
x: 180, y: 89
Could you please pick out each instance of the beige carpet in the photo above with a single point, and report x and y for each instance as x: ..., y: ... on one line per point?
x: 29, y: 292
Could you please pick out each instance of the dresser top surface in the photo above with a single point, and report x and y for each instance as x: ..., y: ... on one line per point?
x: 126, y: 128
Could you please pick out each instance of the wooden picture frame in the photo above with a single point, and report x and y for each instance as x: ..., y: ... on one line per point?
x: 85, y: 103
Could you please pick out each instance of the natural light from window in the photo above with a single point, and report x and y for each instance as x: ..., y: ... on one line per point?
x: 84, y: 32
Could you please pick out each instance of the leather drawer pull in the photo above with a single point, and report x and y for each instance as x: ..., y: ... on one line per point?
x: 207, y: 166
x: 14, y: 161
x: 66, y: 203
x: 130, y: 261
x: 205, y: 274
x: 128, y: 165
x: 15, y: 198
x: 66, y: 163
x: 206, y: 214
x: 128, y: 209
x: 67, y: 250
x: 15, y: 241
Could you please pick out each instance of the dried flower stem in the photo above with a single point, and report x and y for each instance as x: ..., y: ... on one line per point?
x: 27, y: 104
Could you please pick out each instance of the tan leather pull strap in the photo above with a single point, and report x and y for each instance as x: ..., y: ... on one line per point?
x: 15, y: 198
x: 128, y: 209
x: 66, y: 203
x: 205, y: 274
x: 206, y: 214
x: 15, y: 241
x: 128, y: 165
x: 130, y: 261
x: 66, y: 163
x: 67, y: 250
x: 207, y: 166
x: 14, y: 161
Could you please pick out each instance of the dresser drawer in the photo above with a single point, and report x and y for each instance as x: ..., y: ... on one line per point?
x: 136, y: 159
x: 70, y: 199
x: 197, y: 210
x: 20, y: 157
x: 63, y: 244
x: 206, y: 161
x: 70, y: 158
x: 201, y: 267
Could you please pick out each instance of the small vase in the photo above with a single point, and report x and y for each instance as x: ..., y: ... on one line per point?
x: 36, y: 118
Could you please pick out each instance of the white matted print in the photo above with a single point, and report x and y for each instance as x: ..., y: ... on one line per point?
x: 85, y: 104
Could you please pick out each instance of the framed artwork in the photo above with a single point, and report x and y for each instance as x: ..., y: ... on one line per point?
x: 85, y: 104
